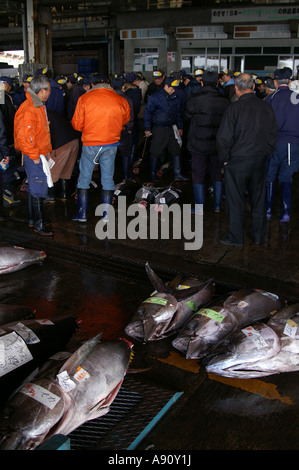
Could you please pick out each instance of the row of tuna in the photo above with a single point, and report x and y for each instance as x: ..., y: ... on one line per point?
x: 250, y: 333
x: 147, y: 194
x: 43, y: 389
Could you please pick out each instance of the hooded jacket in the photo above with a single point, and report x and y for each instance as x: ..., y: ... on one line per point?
x: 101, y: 115
x: 31, y: 127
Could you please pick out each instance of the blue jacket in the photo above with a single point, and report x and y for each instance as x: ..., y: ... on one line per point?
x: 4, y: 150
x: 55, y: 101
x: 285, y: 104
x: 162, y: 110
x: 19, y: 96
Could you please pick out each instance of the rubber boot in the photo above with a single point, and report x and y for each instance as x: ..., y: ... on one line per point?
x: 3, y: 215
x: 177, y: 169
x: 199, y: 192
x: 63, y: 187
x: 217, y: 190
x: 30, y: 210
x: 38, y: 224
x: 107, y: 196
x: 81, y: 215
x: 286, y: 195
x: 153, y: 169
x: 269, y: 198
x: 126, y: 166
x: 8, y: 198
x: 50, y: 199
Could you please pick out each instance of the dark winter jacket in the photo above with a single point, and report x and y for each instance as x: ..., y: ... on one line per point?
x: 162, y: 110
x: 73, y: 99
x: 285, y: 104
x: 19, y: 96
x: 4, y: 150
x: 8, y: 110
x: 205, y: 111
x: 62, y: 132
x: 134, y: 93
x: 248, y: 129
x: 55, y: 102
x: 193, y: 88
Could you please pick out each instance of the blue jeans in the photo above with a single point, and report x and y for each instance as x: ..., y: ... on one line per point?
x: 91, y: 155
x: 279, y: 165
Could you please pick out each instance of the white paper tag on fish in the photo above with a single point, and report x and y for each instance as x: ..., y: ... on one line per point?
x: 40, y: 394
x: 81, y: 374
x: 255, y: 337
x: 267, y: 294
x: 13, y: 353
x: 242, y: 304
x: 45, y: 322
x: 290, y: 328
x: 28, y: 336
x: 65, y: 381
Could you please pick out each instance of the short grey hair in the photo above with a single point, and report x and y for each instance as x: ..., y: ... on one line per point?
x: 283, y: 81
x: 244, y: 81
x: 38, y: 83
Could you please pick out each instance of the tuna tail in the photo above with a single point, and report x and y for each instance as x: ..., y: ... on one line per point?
x: 79, y: 355
x: 160, y: 286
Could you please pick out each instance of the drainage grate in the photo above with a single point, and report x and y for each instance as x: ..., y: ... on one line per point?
x: 132, y: 415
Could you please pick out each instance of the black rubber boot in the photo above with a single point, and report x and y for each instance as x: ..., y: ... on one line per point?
x: 63, y: 187
x: 38, y: 224
x: 3, y: 215
x: 50, y: 199
x: 81, y: 215
x: 107, y: 196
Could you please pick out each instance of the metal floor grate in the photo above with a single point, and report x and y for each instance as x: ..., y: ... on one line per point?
x: 132, y: 414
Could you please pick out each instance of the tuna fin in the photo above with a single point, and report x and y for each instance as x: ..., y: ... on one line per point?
x: 176, y: 281
x: 160, y: 286
x: 157, y: 283
x: 185, y: 293
x: 79, y: 355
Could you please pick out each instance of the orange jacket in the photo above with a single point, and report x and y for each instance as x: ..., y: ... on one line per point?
x: 101, y: 115
x: 31, y: 129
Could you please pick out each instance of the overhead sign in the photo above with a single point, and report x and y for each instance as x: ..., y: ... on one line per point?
x: 232, y: 15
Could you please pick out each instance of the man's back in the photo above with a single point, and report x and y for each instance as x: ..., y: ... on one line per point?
x: 248, y: 129
x: 285, y: 104
x: 101, y: 115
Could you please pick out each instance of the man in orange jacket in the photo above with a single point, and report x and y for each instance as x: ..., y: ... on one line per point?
x: 32, y: 138
x: 100, y: 115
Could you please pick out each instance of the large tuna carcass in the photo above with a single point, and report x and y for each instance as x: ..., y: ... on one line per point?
x: 65, y: 396
x: 14, y: 258
x: 210, y: 327
x: 262, y: 349
x: 169, y: 308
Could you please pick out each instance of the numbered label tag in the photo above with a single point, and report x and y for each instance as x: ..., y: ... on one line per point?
x: 290, y: 328
x: 40, y: 394
x: 255, y: 337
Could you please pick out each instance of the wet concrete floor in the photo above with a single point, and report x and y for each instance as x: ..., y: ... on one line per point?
x: 213, y: 413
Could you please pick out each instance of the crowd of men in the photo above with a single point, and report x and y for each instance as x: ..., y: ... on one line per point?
x: 239, y: 128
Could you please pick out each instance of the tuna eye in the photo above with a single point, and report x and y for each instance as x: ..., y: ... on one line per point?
x: 140, y: 311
